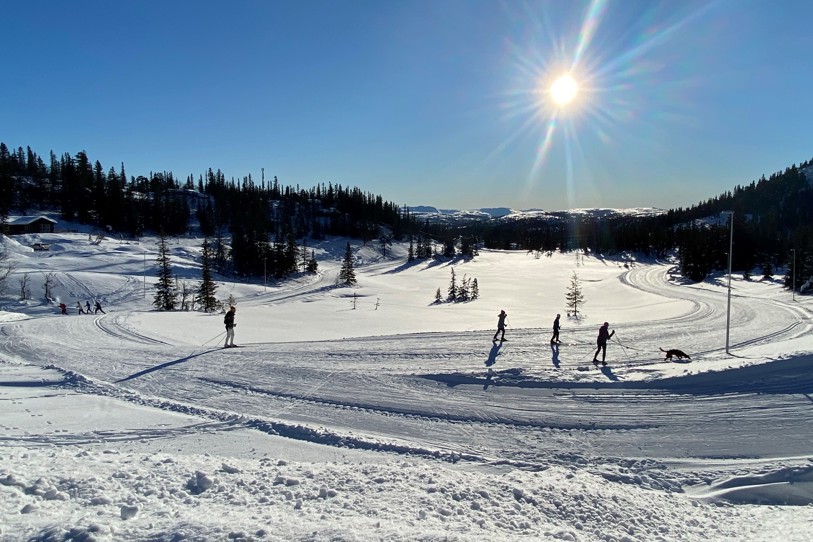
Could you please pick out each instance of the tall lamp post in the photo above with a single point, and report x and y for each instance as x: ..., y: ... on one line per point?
x: 793, y: 285
x: 728, y: 311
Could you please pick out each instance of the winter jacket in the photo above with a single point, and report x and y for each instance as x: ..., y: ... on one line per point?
x: 229, y: 319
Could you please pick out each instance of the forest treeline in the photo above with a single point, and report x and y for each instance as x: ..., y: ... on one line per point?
x: 263, y: 227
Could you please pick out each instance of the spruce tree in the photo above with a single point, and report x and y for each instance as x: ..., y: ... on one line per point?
x: 166, y: 297
x: 574, y: 295
x: 312, y: 266
x: 452, y: 292
x: 347, y: 275
x: 207, y: 287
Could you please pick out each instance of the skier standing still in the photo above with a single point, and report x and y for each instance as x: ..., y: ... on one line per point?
x: 500, y: 325
x: 229, y: 321
x: 603, y: 336
x: 555, y: 338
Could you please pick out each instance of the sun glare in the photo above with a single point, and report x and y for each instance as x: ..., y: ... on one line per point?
x: 563, y: 90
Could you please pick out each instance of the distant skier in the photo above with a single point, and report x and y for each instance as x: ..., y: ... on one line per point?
x: 500, y: 325
x: 603, y: 336
x: 79, y: 307
x: 230, y: 325
x: 63, y: 308
x: 555, y: 338
x: 98, y: 308
x: 87, y: 307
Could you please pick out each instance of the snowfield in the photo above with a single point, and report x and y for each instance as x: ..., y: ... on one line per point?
x: 372, y: 413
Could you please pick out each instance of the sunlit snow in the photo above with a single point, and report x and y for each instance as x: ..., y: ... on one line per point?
x: 372, y: 413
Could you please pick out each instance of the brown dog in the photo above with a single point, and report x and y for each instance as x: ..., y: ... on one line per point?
x: 679, y: 354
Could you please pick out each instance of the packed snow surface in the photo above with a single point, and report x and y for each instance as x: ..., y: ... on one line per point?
x: 373, y: 413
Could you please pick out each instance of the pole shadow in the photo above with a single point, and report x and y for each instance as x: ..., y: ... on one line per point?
x: 163, y: 366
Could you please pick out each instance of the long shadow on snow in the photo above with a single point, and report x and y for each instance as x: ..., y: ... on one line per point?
x: 788, y: 376
x: 164, y: 366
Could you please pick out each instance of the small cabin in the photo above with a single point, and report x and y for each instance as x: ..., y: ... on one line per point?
x: 29, y: 224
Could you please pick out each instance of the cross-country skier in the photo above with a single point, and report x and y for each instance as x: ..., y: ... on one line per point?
x: 79, y: 307
x: 98, y: 308
x: 501, y: 325
x: 603, y: 336
x: 555, y: 338
x: 87, y: 307
x: 229, y: 321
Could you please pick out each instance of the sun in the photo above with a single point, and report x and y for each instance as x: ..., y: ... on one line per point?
x: 563, y: 90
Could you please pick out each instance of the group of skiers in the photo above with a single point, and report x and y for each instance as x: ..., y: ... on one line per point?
x: 82, y: 310
x: 604, y: 335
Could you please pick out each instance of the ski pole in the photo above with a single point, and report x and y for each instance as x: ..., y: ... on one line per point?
x: 622, y: 347
x: 213, y: 338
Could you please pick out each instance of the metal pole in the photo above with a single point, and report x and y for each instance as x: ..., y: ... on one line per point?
x: 145, y: 274
x: 794, y: 274
x: 265, y: 277
x: 730, y: 249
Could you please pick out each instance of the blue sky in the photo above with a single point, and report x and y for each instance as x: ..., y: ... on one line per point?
x: 425, y: 102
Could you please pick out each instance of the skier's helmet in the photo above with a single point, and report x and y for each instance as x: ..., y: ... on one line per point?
x: 606, y: 324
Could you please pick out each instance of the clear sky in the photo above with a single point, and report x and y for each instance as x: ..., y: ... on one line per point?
x: 425, y: 102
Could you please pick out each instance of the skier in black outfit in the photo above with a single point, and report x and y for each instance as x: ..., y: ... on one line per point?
x: 603, y: 336
x: 555, y: 338
x: 229, y: 321
x: 501, y: 325
x: 98, y: 308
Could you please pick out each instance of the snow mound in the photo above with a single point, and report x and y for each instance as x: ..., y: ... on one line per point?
x: 792, y: 486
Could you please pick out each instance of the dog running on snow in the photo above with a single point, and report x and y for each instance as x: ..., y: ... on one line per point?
x: 674, y: 352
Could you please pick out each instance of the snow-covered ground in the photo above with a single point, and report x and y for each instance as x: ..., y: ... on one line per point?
x: 370, y: 413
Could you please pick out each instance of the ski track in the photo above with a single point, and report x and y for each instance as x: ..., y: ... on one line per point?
x: 519, y: 403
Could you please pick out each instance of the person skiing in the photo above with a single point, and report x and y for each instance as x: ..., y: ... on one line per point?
x: 500, y: 325
x: 555, y: 338
x: 79, y: 307
x: 63, y: 308
x: 603, y: 336
x: 87, y: 307
x: 98, y: 308
x: 229, y: 321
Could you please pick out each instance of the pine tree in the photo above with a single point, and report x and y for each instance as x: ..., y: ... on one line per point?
x: 207, y: 287
x: 438, y: 297
x: 475, y: 289
x: 312, y: 265
x: 574, y: 295
x: 452, y: 292
x: 166, y: 297
x: 411, y: 251
x: 347, y: 275
x: 463, y: 290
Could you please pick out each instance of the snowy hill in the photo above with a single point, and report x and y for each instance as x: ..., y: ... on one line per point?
x: 372, y: 413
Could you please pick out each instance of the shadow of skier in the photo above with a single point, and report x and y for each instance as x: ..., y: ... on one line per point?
x: 608, y: 372
x: 554, y: 351
x: 492, y: 356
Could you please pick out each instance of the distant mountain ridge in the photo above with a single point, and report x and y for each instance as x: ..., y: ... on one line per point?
x: 432, y: 213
